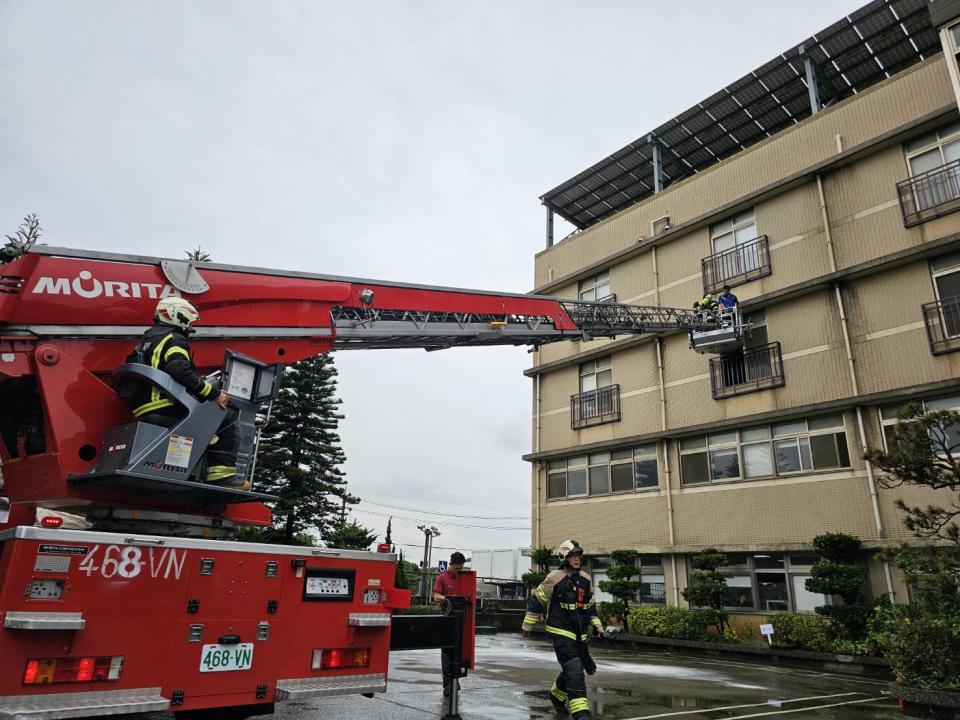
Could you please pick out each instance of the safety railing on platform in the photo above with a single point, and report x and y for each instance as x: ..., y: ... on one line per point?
x: 747, y: 261
x: 942, y: 319
x: 595, y: 407
x: 931, y: 194
x: 738, y: 373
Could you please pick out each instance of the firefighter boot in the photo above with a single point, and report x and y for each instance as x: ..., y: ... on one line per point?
x: 559, y: 699
x: 580, y: 708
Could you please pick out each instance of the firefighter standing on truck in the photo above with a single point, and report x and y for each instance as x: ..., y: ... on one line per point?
x: 566, y: 599
x: 164, y: 346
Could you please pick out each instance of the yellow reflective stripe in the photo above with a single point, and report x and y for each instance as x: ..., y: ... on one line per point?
x: 174, y: 351
x: 218, y: 472
x: 531, y: 617
x: 579, y: 705
x: 558, y: 693
x: 595, y: 621
x: 590, y: 604
x: 541, y: 595
x: 561, y: 633
x: 569, y: 606
x: 151, y: 406
x: 206, y: 389
x: 155, y: 363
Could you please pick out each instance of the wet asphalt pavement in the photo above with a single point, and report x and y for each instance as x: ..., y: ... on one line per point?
x: 514, y: 674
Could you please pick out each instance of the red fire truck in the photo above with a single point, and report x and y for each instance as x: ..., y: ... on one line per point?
x: 154, y: 606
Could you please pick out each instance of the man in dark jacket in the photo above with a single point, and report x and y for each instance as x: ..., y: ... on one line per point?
x: 566, y: 599
x: 164, y: 346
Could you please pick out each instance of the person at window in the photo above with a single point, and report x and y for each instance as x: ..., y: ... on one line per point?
x: 446, y: 585
x: 565, y: 597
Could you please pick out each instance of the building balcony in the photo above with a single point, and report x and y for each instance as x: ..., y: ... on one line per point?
x: 759, y: 368
x: 942, y: 319
x: 931, y: 194
x: 736, y: 266
x: 595, y: 407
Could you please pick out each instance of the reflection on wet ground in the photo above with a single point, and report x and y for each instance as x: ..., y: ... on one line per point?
x: 514, y: 674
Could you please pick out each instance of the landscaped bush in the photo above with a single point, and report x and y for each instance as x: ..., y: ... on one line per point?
x: 671, y: 622
x: 922, y: 647
x: 807, y: 632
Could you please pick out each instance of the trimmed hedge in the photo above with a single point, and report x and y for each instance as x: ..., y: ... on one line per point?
x: 806, y: 632
x: 671, y: 622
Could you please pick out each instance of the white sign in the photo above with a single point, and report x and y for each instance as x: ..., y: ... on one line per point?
x: 442, y: 565
x: 766, y: 629
x: 178, y: 451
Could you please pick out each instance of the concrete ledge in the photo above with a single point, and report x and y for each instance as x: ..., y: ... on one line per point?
x: 919, y: 702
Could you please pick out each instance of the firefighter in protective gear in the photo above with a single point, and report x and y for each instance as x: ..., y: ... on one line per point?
x: 164, y: 346
x: 566, y: 599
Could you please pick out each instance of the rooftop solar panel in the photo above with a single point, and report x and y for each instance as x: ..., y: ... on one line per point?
x: 877, y: 40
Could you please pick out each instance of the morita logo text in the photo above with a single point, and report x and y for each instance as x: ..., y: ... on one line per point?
x: 86, y: 285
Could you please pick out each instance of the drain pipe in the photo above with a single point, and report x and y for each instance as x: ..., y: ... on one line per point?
x: 658, y: 342
x: 855, y: 386
x: 536, y: 529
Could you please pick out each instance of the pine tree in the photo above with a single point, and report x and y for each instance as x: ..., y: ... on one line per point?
x: 300, y: 453
x: 350, y: 536
x: 389, y: 540
x: 198, y: 255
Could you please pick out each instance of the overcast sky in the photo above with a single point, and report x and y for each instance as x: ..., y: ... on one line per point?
x: 406, y: 141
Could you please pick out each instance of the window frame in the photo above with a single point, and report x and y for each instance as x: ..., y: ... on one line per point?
x: 593, y: 368
x: 770, y: 441
x: 592, y: 284
x: 890, y: 422
x: 937, y: 143
x: 639, y: 453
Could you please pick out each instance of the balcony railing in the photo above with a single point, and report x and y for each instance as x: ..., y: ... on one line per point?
x: 942, y: 319
x: 743, y: 263
x: 758, y: 368
x: 595, y: 407
x: 931, y: 194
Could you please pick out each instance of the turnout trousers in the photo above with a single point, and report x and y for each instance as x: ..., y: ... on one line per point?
x: 570, y: 685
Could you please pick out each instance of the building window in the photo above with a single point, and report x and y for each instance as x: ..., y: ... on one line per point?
x: 599, y: 399
x: 738, y: 254
x: 942, y: 317
x: 933, y: 189
x: 598, y: 567
x: 770, y: 582
x: 596, y: 288
x: 890, y: 416
x: 653, y: 584
x: 619, y: 471
x: 757, y: 367
x: 766, y: 451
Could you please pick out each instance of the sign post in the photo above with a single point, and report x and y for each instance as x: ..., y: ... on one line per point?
x: 767, y: 631
x: 442, y: 565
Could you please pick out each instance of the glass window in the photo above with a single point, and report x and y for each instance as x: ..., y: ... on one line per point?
x: 725, y: 464
x: 772, y: 591
x: 645, y: 451
x: 645, y: 473
x: 556, y: 486
x: 595, y: 374
x: 723, y: 438
x: 693, y: 443
x: 768, y: 562
x: 757, y: 460
x: 826, y: 422
x: 577, y: 482
x: 739, y: 592
x: 803, y: 560
x: 621, y: 477
x: 557, y: 465
x: 599, y: 595
x: 793, y: 455
x: 621, y: 455
x: 829, y: 451
x: 653, y: 588
x: 596, y: 288
x: 599, y: 458
x: 693, y: 469
x: 795, y: 427
x: 751, y: 434
x: 803, y: 599
x: 599, y: 479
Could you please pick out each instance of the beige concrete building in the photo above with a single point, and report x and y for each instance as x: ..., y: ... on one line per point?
x: 830, y: 215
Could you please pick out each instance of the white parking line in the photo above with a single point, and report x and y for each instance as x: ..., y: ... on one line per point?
x: 794, y: 671
x: 701, y: 711
x: 812, y: 707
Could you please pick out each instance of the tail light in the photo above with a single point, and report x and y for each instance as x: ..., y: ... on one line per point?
x: 52, y: 521
x: 340, y: 658
x: 45, y: 671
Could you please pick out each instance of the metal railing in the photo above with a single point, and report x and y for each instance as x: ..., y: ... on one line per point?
x: 931, y: 194
x: 595, y: 407
x: 758, y: 368
x: 942, y: 319
x: 747, y: 261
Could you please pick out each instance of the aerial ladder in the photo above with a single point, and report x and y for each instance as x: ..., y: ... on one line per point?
x: 153, y: 605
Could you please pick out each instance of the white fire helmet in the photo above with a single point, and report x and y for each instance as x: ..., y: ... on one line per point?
x: 569, y: 547
x: 177, y: 312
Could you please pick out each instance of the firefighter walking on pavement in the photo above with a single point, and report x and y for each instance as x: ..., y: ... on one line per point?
x: 565, y: 599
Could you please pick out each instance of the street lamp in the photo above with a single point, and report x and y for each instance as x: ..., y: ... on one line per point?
x: 429, y: 532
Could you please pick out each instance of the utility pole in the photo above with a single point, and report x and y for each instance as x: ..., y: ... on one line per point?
x: 429, y: 532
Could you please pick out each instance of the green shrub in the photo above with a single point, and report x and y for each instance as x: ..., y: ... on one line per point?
x: 607, y: 611
x: 531, y: 580
x: 921, y: 644
x: 807, y: 632
x: 671, y: 622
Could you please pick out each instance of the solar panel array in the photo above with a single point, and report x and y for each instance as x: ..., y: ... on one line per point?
x: 871, y: 44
